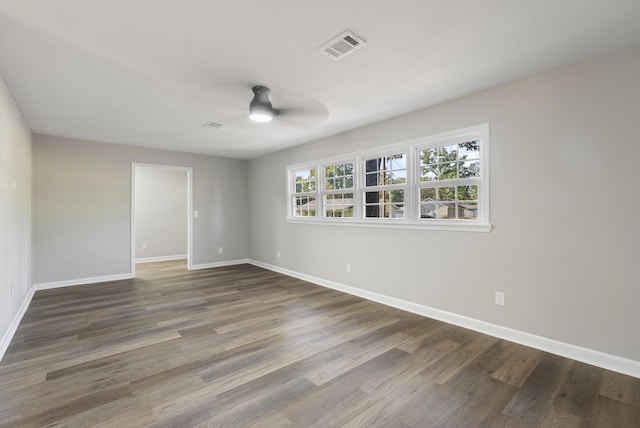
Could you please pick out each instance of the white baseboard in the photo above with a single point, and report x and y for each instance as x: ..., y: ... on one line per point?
x: 578, y: 353
x: 161, y: 258
x: 219, y: 264
x: 81, y: 281
x: 8, y: 336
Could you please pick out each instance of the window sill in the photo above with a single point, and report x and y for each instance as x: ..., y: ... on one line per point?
x: 400, y: 224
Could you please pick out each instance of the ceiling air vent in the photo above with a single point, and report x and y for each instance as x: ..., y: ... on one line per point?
x: 213, y: 125
x: 342, y: 45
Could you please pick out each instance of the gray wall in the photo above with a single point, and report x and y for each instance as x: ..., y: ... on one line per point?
x: 565, y: 150
x: 82, y: 207
x: 15, y: 210
x: 160, y: 212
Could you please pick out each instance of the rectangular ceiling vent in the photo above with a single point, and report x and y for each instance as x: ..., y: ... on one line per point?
x: 214, y: 125
x: 342, y: 45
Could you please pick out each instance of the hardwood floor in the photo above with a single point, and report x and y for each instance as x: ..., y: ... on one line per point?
x: 241, y: 346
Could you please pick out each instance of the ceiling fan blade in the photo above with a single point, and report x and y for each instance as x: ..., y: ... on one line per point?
x: 301, y: 116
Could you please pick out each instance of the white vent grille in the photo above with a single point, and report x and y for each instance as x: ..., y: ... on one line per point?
x: 342, y: 45
x: 214, y: 125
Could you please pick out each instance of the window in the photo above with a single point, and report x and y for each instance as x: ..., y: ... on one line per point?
x: 337, y: 191
x: 385, y: 180
x: 438, y: 182
x: 449, y: 179
x: 304, y: 193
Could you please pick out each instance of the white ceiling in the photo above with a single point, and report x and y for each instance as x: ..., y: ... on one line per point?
x: 151, y: 72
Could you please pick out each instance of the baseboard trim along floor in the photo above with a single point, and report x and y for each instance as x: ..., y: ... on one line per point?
x: 567, y: 350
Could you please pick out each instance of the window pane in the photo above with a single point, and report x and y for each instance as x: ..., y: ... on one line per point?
x: 469, y: 150
x: 305, y: 180
x: 447, y: 210
x: 371, y: 165
x: 390, y: 170
x: 338, y: 205
x: 384, y: 178
x: 304, y: 206
x: 339, y: 176
x: 428, y: 194
x: 429, y: 173
x: 448, y: 171
x: 468, y: 193
x: 428, y: 156
x: 397, y: 196
x: 398, y: 177
x: 328, y: 184
x: 348, y: 169
x: 448, y: 153
x: 446, y: 193
x: 371, y: 179
x: 468, y: 211
x: 384, y: 204
x: 393, y: 211
x: 469, y: 169
x: 398, y: 162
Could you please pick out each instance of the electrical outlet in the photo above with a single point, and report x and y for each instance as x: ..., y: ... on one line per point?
x: 13, y: 288
x: 348, y: 268
x: 144, y: 245
x: 499, y: 298
x: 219, y: 250
x: 278, y: 254
x: 195, y: 213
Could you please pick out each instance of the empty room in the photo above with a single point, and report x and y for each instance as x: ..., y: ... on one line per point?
x: 319, y: 214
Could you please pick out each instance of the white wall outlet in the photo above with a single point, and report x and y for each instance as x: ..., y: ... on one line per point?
x: 144, y: 245
x: 14, y: 184
x: 348, y: 268
x: 278, y: 254
x: 195, y: 213
x: 13, y: 288
x: 499, y: 298
x: 219, y: 250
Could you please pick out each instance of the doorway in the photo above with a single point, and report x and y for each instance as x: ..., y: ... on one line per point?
x: 161, y: 224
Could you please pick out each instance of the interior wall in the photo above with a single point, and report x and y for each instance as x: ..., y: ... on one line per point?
x: 564, y: 204
x: 15, y: 212
x: 82, y: 207
x: 160, y: 216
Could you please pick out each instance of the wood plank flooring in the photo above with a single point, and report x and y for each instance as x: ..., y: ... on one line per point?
x: 244, y: 347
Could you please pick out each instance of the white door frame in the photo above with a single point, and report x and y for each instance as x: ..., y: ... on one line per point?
x: 189, y: 172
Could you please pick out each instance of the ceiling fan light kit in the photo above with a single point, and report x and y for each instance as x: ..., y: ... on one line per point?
x: 260, y: 109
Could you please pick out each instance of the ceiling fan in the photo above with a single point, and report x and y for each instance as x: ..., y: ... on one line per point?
x: 292, y: 108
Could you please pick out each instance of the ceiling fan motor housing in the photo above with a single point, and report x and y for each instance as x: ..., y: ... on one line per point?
x: 260, y: 108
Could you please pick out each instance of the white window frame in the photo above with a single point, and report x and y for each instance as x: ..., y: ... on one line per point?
x: 478, y: 181
x: 292, y: 193
x: 411, y: 188
x: 325, y: 192
x: 385, y: 187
